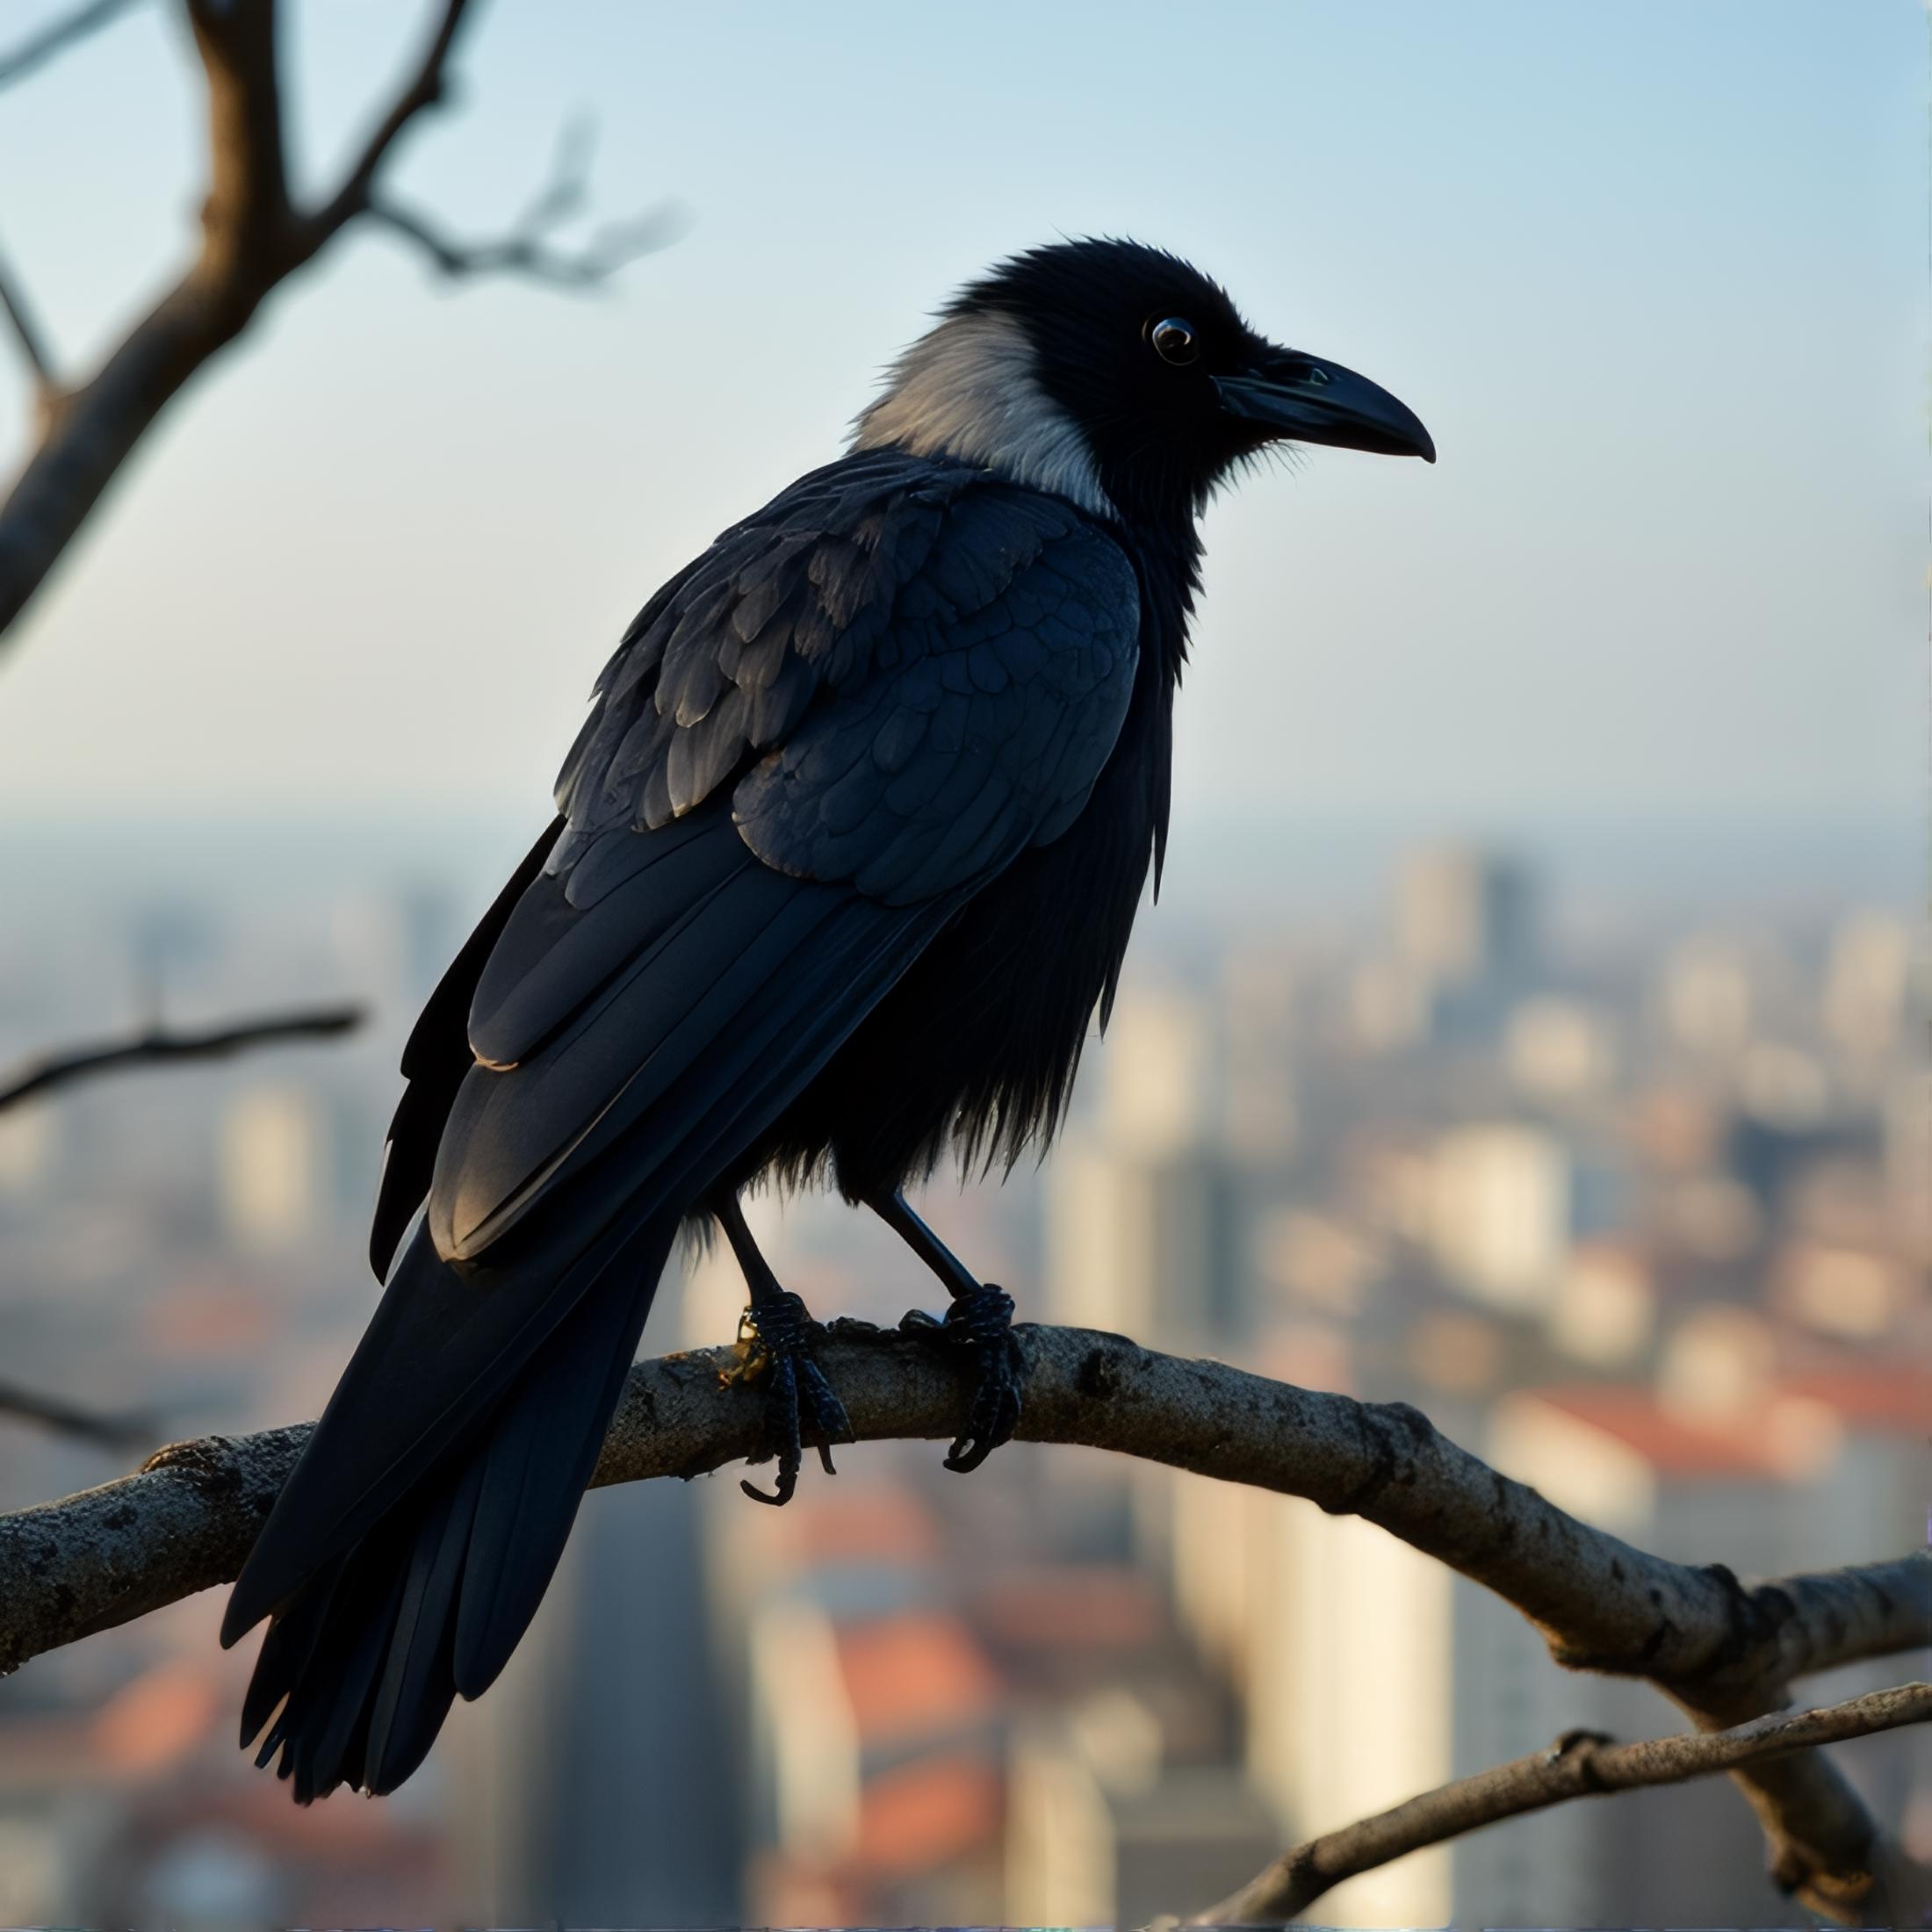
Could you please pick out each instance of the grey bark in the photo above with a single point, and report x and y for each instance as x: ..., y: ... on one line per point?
x: 1577, y: 1765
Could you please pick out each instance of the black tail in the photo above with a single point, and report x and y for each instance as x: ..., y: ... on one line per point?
x: 369, y: 1650
x: 636, y: 1040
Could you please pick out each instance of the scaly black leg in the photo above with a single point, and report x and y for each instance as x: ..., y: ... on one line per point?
x: 780, y: 1329
x: 979, y: 1321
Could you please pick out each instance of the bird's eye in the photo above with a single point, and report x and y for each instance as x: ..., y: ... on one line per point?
x: 1174, y: 340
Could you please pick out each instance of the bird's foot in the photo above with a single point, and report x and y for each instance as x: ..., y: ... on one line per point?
x: 979, y: 1326
x: 774, y: 1346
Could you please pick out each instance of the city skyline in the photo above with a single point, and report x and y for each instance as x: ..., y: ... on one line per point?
x: 1638, y: 1218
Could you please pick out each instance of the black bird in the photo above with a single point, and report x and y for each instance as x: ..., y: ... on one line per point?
x: 846, y: 860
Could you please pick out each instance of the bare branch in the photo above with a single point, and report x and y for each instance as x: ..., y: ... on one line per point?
x: 186, y: 1524
x: 526, y: 254
x: 527, y: 249
x: 1580, y: 1764
x: 253, y: 239
x: 245, y: 217
x: 426, y: 87
x: 160, y: 1043
x: 68, y: 1419
x: 248, y: 244
x: 26, y: 333
x: 58, y: 35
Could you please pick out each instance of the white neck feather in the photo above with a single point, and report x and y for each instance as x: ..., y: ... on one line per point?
x: 969, y: 390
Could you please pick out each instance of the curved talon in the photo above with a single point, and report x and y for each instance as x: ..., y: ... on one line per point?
x: 979, y: 1321
x: 776, y: 1340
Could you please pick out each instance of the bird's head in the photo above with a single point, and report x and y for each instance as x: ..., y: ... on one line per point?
x: 1115, y: 374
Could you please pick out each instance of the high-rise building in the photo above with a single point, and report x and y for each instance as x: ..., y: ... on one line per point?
x: 1868, y: 983
x: 276, y: 1171
x: 1500, y: 1211
x: 1102, y: 1832
x: 1709, y: 1001
x: 1140, y: 1232
x: 1158, y: 1073
x: 597, y: 1784
x: 1464, y: 915
x: 1143, y: 1244
x: 1740, y: 1480
x: 1350, y: 1695
x: 1559, y: 1048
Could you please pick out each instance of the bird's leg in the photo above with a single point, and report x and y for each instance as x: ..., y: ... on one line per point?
x: 780, y: 1328
x: 979, y: 1321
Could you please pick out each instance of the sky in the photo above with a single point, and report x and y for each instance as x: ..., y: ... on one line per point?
x: 1653, y: 274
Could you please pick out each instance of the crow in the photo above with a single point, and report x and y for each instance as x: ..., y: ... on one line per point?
x: 844, y: 865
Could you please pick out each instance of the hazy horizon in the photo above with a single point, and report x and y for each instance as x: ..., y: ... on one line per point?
x: 1276, y: 865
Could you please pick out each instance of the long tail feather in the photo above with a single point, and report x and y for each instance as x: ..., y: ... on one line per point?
x: 365, y: 1656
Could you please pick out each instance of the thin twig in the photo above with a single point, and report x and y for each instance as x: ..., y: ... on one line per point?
x: 612, y: 248
x: 39, y: 48
x: 426, y: 87
x: 26, y: 332
x: 527, y: 249
x: 160, y: 1043
x: 1580, y: 1764
x: 67, y: 1419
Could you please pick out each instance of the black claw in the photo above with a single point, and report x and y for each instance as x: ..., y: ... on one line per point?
x: 775, y: 1341
x: 979, y: 1323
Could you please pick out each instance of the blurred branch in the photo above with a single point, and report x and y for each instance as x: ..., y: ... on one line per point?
x: 1580, y: 1764
x: 39, y: 48
x: 526, y: 249
x: 527, y: 254
x: 26, y: 333
x: 253, y: 239
x: 1710, y: 1643
x: 426, y: 87
x: 160, y: 1043
x: 66, y: 1419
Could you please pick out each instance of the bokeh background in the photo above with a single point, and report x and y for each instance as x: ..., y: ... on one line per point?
x: 1531, y: 1027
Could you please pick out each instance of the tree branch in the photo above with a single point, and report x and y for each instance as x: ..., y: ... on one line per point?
x: 252, y: 240
x: 68, y: 1419
x: 160, y: 1043
x: 426, y: 87
x: 526, y: 248
x: 27, y: 335
x: 1580, y: 1764
x: 245, y: 217
x: 185, y: 1523
x: 58, y: 35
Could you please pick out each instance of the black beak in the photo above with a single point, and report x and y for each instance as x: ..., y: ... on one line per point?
x: 1295, y: 396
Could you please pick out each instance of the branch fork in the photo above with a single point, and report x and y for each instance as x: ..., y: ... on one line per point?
x: 254, y: 238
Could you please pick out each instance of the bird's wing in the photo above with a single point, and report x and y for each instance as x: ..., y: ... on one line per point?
x: 781, y: 604
x: 961, y: 655
x: 867, y: 581
x: 725, y: 658
x: 435, y: 1059
x: 653, y: 998
x: 979, y: 729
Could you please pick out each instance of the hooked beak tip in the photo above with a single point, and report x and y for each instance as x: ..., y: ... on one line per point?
x: 1303, y: 400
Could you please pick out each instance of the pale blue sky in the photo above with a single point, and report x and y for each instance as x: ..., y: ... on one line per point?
x: 1653, y: 273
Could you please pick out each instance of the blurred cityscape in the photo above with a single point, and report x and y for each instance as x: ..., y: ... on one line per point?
x: 1636, y: 1208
